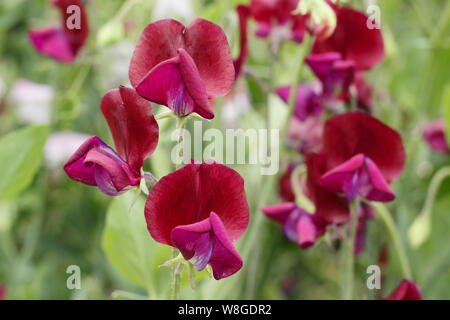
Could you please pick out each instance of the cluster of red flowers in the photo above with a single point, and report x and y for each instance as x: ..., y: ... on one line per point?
x: 201, y: 209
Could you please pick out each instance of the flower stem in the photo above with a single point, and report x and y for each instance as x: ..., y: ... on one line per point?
x: 349, y: 253
x: 385, y: 215
x: 181, y: 122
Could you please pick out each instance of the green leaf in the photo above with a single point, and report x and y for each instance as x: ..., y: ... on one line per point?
x: 20, y: 157
x: 446, y: 111
x: 130, y: 248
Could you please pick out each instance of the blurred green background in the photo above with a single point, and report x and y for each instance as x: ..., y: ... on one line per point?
x: 48, y: 222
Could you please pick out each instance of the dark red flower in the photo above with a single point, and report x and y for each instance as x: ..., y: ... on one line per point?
x: 200, y: 209
x: 364, y: 92
x: 243, y: 14
x: 275, y: 16
x: 135, y: 133
x: 63, y: 44
x: 434, y: 135
x: 352, y: 133
x: 285, y: 185
x: 406, y: 290
x: 353, y: 39
x: 182, y: 67
x: 299, y: 226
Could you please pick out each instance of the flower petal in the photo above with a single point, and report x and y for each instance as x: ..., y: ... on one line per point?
x: 53, y: 43
x: 434, y: 135
x: 243, y: 14
x: 132, y: 124
x: 279, y: 212
x: 353, y: 39
x: 190, y: 194
x: 307, y: 103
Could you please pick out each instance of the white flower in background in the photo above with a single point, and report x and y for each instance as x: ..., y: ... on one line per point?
x: 173, y: 9
x: 33, y: 101
x: 114, y: 63
x: 60, y: 146
x: 236, y: 104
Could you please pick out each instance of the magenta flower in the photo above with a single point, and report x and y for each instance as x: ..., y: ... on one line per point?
x: 308, y: 102
x: 353, y: 39
x: 335, y: 74
x: 201, y: 209
x: 64, y: 43
x: 182, y: 67
x: 406, y: 290
x: 434, y: 135
x: 363, y: 156
x: 2, y: 292
x: 135, y: 133
x: 299, y: 226
x: 274, y: 17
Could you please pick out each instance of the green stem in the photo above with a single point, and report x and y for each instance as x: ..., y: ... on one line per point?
x: 436, y: 182
x: 176, y: 281
x: 349, y: 253
x: 385, y: 215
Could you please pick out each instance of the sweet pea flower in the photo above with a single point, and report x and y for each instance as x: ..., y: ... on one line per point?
x: 285, y: 190
x: 353, y: 39
x: 335, y: 74
x: 135, y: 133
x: 183, y: 67
x: 299, y: 226
x: 64, y: 43
x: 406, y: 290
x: 363, y: 156
x: 2, y: 292
x: 308, y: 101
x: 434, y: 135
x: 201, y: 209
x: 275, y: 18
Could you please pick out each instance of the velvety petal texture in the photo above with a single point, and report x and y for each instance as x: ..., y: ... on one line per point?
x: 63, y: 44
x: 353, y: 133
x: 132, y: 124
x: 96, y: 164
x: 299, y: 226
x: 190, y: 194
x: 406, y: 290
x: 358, y: 177
x: 307, y: 103
x: 353, y: 39
x: 182, y: 67
x: 206, y: 242
x: 434, y: 135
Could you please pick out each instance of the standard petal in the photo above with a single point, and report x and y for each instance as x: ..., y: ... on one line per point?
x: 353, y: 39
x: 132, y: 124
x: 352, y: 133
x: 190, y: 194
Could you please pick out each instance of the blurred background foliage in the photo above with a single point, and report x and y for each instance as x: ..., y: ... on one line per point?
x: 48, y: 222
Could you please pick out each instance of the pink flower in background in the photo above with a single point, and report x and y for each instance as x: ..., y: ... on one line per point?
x: 299, y: 226
x: 135, y: 133
x: 306, y: 136
x: 63, y: 43
x: 434, y: 135
x: 353, y: 39
x: 60, y: 146
x: 2, y: 292
x: 406, y: 290
x: 201, y: 209
x: 275, y: 18
x: 182, y: 67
